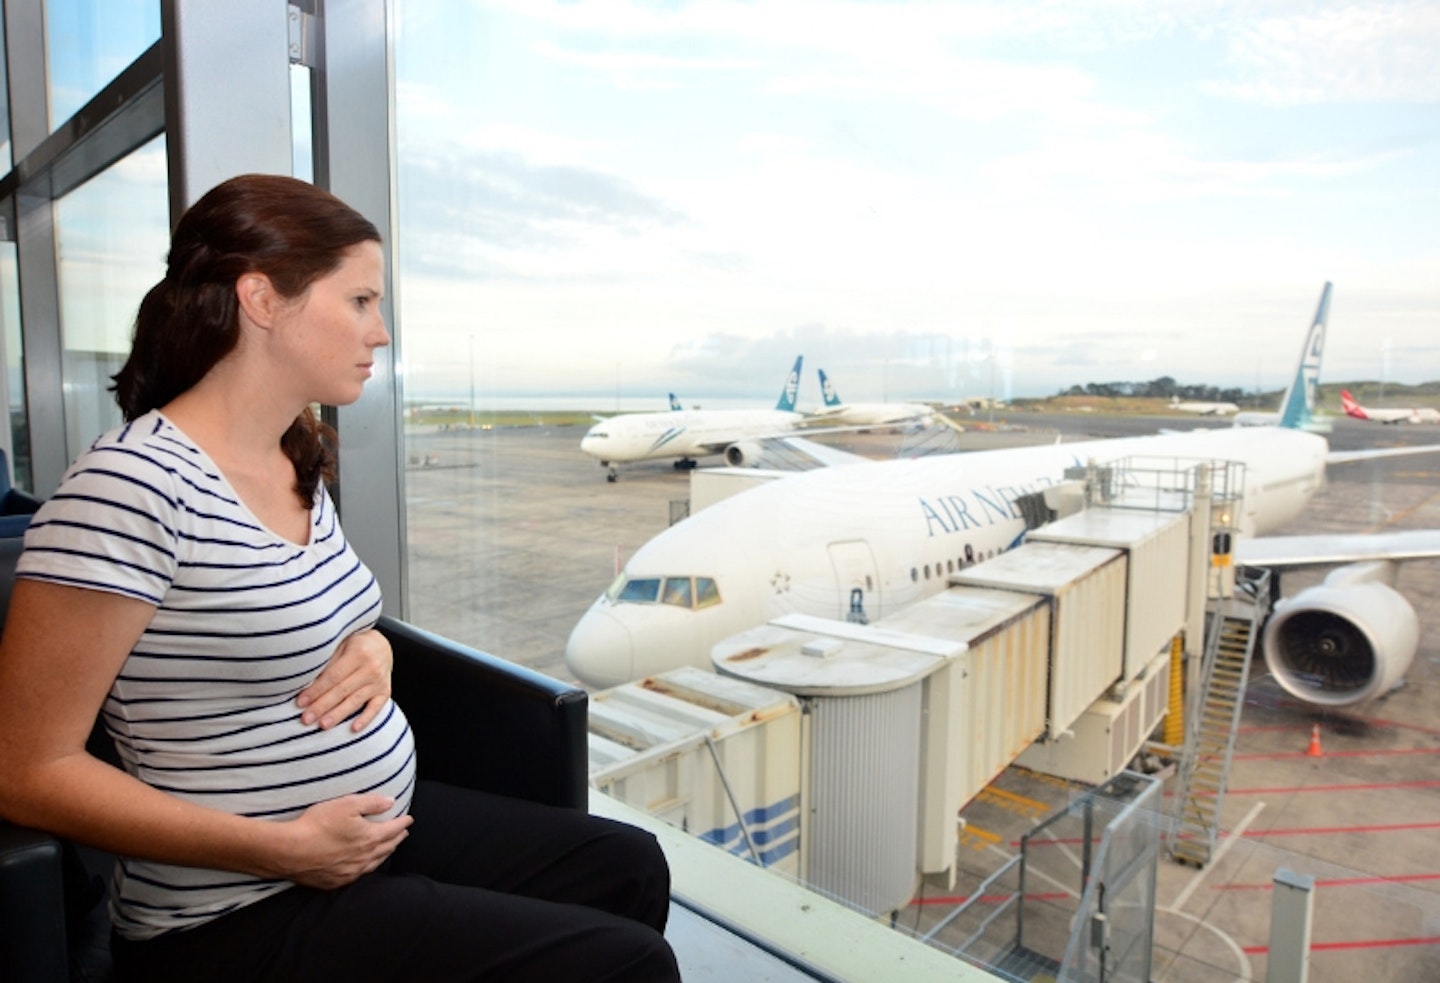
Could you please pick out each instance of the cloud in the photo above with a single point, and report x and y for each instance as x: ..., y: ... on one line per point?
x: 478, y: 213
x: 1350, y: 53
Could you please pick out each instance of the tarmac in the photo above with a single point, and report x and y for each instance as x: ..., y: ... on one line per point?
x: 513, y: 532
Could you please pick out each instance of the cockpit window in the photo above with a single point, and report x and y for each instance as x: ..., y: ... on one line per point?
x: 640, y: 589
x: 707, y: 593
x: 677, y: 592
x: 680, y: 592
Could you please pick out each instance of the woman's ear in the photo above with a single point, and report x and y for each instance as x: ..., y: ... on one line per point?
x: 258, y: 298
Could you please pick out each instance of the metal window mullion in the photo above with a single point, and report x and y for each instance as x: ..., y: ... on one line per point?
x: 34, y: 234
x: 353, y: 105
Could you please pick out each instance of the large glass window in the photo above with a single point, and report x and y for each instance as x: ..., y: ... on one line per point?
x: 942, y: 203
x: 6, y: 158
x: 89, y: 44
x: 18, y: 445
x: 596, y: 212
x: 112, y: 233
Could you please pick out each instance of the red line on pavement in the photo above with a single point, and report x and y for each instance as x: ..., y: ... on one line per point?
x: 1291, y: 831
x: 1255, y: 950
x: 955, y: 899
x: 1335, y: 882
x: 1322, y: 830
x: 1368, y: 721
x: 1362, y: 787
x: 1275, y: 755
x: 1396, y: 723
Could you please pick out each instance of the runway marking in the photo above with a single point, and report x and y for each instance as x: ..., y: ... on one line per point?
x: 1380, y: 722
x: 1037, y: 872
x: 1011, y: 802
x: 1256, y: 950
x: 1335, y: 882
x: 1305, y: 727
x: 1328, y: 830
x: 1243, y: 973
x: 1225, y: 846
x: 976, y: 838
x: 1412, y: 510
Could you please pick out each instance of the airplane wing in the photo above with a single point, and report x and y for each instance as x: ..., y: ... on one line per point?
x: 824, y: 455
x: 1347, y: 457
x: 1321, y: 550
x: 791, y: 452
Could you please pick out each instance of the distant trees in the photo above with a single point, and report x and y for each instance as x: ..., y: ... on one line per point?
x: 1164, y: 387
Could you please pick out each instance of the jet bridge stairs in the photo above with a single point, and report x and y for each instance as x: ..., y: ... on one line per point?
x: 1210, y: 739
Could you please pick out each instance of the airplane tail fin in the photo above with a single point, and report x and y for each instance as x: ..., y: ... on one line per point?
x: 792, y: 388
x: 675, y: 403
x: 827, y: 389
x: 1297, y: 409
x: 1351, y: 408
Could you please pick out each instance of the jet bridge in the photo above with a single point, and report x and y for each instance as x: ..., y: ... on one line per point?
x: 1056, y: 655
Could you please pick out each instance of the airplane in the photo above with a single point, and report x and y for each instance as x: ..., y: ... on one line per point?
x: 688, y: 434
x: 675, y: 404
x: 1411, y: 414
x: 869, y: 537
x: 1203, y: 408
x: 866, y: 414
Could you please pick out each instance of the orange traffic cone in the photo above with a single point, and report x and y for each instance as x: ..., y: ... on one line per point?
x: 1313, y: 750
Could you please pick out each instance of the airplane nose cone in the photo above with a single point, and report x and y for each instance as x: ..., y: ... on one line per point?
x: 600, y: 652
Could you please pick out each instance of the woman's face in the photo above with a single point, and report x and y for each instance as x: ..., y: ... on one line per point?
x: 329, y: 334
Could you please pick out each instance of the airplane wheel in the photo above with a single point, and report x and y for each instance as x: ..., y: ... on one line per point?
x: 611, y: 477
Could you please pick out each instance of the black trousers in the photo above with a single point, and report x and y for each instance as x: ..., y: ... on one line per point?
x: 483, y: 888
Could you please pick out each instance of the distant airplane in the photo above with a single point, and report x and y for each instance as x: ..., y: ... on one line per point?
x: 880, y: 535
x: 1203, y: 408
x: 866, y: 414
x: 687, y: 434
x: 1411, y: 414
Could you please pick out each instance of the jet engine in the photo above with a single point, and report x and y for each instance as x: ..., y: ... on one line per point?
x: 1344, y: 641
x: 743, y: 454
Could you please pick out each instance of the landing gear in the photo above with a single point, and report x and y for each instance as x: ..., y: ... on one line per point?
x: 612, y: 474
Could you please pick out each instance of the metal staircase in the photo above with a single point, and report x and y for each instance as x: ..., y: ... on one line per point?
x: 1210, y: 743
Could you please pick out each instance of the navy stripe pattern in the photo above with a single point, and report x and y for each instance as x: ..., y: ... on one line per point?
x: 204, y: 707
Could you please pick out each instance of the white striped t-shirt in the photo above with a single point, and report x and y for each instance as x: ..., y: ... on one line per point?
x: 204, y: 706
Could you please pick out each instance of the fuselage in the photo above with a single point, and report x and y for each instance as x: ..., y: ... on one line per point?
x: 680, y: 434
x: 1205, y: 409
x: 864, y: 540
x: 872, y: 414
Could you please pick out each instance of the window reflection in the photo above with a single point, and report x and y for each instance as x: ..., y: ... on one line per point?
x: 6, y: 148
x: 18, y: 447
x: 677, y: 591
x: 88, y: 44
x: 111, y: 236
x: 643, y: 589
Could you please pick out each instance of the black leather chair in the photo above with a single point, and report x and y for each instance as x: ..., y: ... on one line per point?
x: 16, y: 506
x: 479, y: 722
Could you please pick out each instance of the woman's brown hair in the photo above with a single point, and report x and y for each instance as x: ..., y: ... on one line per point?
x: 292, y: 232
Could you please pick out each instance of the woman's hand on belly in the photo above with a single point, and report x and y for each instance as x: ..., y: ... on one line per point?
x: 333, y: 843
x: 357, y: 677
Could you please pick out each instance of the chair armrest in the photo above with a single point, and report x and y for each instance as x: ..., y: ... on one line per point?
x: 32, y: 906
x: 481, y: 722
x: 17, y: 502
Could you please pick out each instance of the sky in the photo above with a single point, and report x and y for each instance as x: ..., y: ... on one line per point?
x: 928, y: 200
